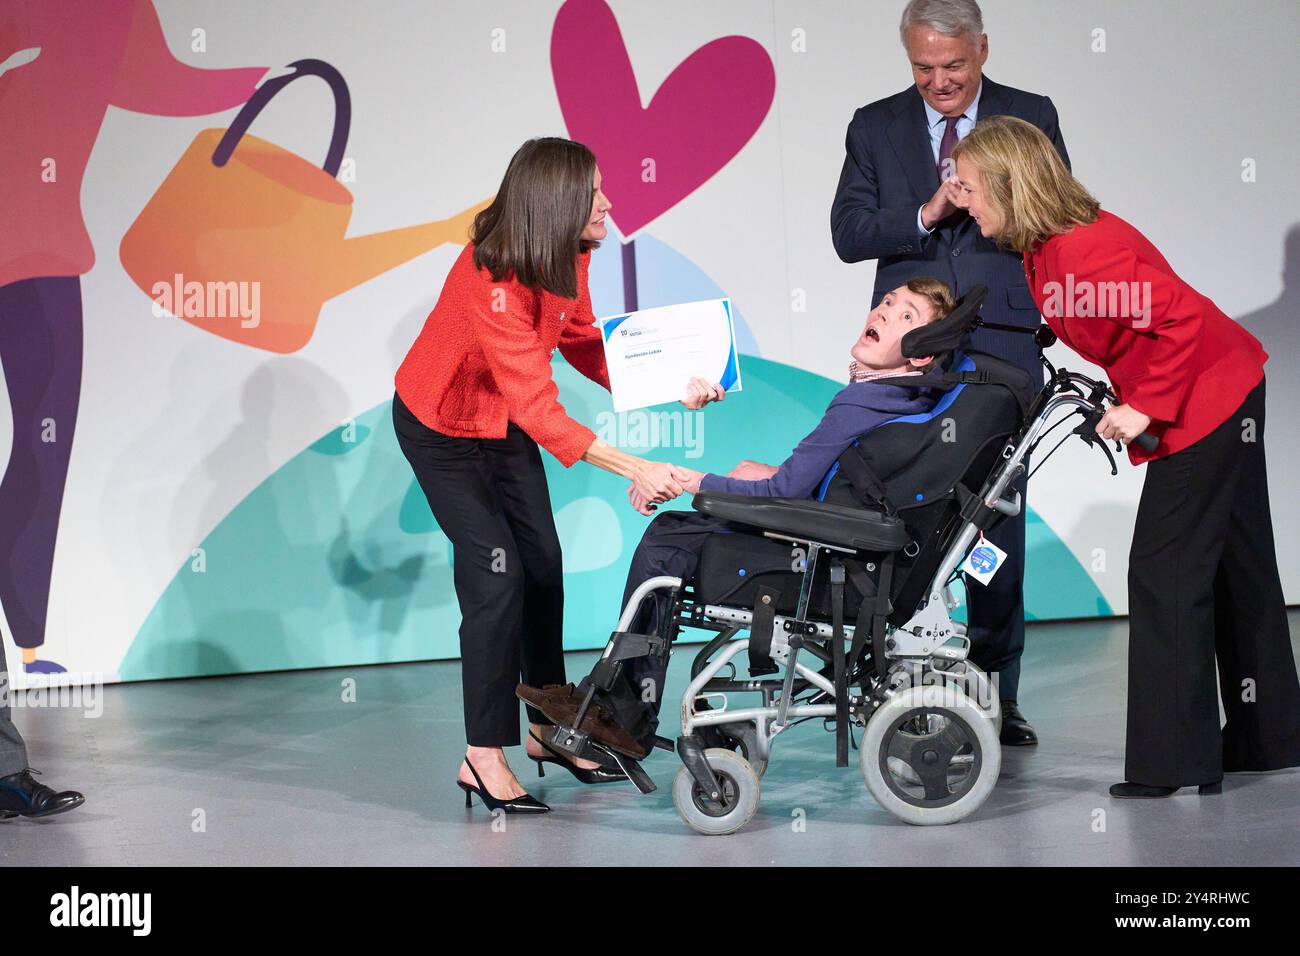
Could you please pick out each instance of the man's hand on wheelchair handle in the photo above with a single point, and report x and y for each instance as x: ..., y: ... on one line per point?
x: 699, y: 393
x: 1122, y: 423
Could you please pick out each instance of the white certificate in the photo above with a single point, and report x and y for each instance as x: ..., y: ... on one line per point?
x: 653, y: 354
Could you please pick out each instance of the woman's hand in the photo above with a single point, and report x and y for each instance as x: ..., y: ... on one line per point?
x: 639, y: 502
x: 1123, y: 423
x: 654, y: 481
x: 699, y: 393
x: 688, y: 478
x: 752, y: 471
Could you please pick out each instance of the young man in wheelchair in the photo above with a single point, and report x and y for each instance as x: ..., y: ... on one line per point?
x: 625, y: 717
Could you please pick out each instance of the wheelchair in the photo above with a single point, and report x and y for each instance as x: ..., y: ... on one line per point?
x: 845, y: 602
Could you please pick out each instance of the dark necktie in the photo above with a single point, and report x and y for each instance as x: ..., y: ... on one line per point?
x: 945, y: 146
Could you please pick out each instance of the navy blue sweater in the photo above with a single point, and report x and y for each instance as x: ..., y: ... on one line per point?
x: 854, y: 411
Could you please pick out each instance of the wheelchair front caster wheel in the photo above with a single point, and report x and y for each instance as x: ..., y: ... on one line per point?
x: 739, y: 737
x: 930, y: 755
x: 736, y: 804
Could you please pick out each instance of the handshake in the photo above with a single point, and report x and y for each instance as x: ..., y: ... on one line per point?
x: 659, y: 481
x: 654, y: 482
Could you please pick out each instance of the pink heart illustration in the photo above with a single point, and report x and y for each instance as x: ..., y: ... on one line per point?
x: 651, y: 158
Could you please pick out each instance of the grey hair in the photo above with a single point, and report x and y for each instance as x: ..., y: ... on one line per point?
x: 950, y: 17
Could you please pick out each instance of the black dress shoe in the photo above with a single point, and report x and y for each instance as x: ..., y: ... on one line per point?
x: 22, y: 795
x: 1016, y: 731
x: 593, y: 775
x: 1141, y: 791
x: 526, y: 803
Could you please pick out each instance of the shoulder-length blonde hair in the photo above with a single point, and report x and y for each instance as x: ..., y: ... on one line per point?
x: 1025, y: 181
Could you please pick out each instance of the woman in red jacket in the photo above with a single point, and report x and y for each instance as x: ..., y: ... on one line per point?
x: 1203, y: 578
x: 474, y: 401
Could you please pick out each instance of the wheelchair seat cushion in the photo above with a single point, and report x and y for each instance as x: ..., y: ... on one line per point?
x: 735, y: 563
x: 805, y: 520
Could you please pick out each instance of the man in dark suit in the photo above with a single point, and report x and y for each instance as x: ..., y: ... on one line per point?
x: 895, y: 203
x: 21, y: 794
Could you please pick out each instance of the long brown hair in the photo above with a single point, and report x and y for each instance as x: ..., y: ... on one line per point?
x: 532, y: 228
x: 1026, y: 181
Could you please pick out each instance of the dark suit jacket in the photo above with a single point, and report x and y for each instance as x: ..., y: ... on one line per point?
x: 889, y: 171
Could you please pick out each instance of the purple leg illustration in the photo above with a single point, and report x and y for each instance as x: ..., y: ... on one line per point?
x: 41, y: 351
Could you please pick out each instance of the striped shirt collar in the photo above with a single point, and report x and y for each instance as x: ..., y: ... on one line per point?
x: 860, y: 373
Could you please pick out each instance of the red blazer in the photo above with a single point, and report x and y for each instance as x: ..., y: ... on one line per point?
x: 1168, y: 350
x: 483, y: 359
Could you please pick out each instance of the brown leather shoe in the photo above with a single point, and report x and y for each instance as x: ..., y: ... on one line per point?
x: 560, y: 703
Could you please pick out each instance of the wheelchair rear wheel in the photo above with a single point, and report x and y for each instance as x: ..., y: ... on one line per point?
x: 738, y: 800
x: 930, y: 755
x: 974, y: 683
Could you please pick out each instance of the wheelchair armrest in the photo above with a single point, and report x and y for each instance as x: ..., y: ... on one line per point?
x: 803, y: 519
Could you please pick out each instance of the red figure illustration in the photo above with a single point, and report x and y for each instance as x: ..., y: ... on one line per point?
x: 62, y: 64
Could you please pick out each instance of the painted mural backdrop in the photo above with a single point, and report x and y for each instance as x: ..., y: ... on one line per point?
x: 332, y: 556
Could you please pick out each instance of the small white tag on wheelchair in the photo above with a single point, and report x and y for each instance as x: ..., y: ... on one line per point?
x: 983, y: 561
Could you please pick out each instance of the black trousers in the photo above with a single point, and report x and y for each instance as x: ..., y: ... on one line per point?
x: 491, y: 499
x: 1204, y: 586
x: 672, y: 544
x: 996, y: 611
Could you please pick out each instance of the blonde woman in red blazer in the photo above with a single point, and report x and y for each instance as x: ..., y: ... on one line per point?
x: 474, y: 401
x: 1203, y: 578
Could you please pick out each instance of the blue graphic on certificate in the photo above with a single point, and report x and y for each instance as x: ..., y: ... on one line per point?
x: 653, y: 354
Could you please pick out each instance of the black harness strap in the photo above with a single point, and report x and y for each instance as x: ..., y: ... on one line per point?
x: 760, y: 631
x: 882, y: 610
x: 975, y: 511
x: 978, y: 377
x: 837, y: 659
x: 862, y: 624
x: 866, y: 485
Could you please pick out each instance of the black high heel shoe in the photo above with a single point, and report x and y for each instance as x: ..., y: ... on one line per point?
x: 596, y: 775
x: 1132, y: 791
x: 524, y: 804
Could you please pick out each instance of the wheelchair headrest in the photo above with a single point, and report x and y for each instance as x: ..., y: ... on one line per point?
x: 948, y: 333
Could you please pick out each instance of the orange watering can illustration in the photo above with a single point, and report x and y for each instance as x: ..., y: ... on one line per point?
x: 247, y: 240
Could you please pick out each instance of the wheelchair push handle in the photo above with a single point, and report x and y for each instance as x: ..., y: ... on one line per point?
x: 1087, y: 430
x: 1097, y: 392
x: 1146, y: 441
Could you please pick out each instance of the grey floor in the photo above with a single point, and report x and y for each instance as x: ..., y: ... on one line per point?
x: 278, y: 769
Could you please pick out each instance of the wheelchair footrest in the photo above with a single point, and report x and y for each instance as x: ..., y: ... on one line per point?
x: 635, y: 773
x: 580, y: 745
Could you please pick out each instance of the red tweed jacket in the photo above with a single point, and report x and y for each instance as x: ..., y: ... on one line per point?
x: 1168, y: 350
x: 483, y: 359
